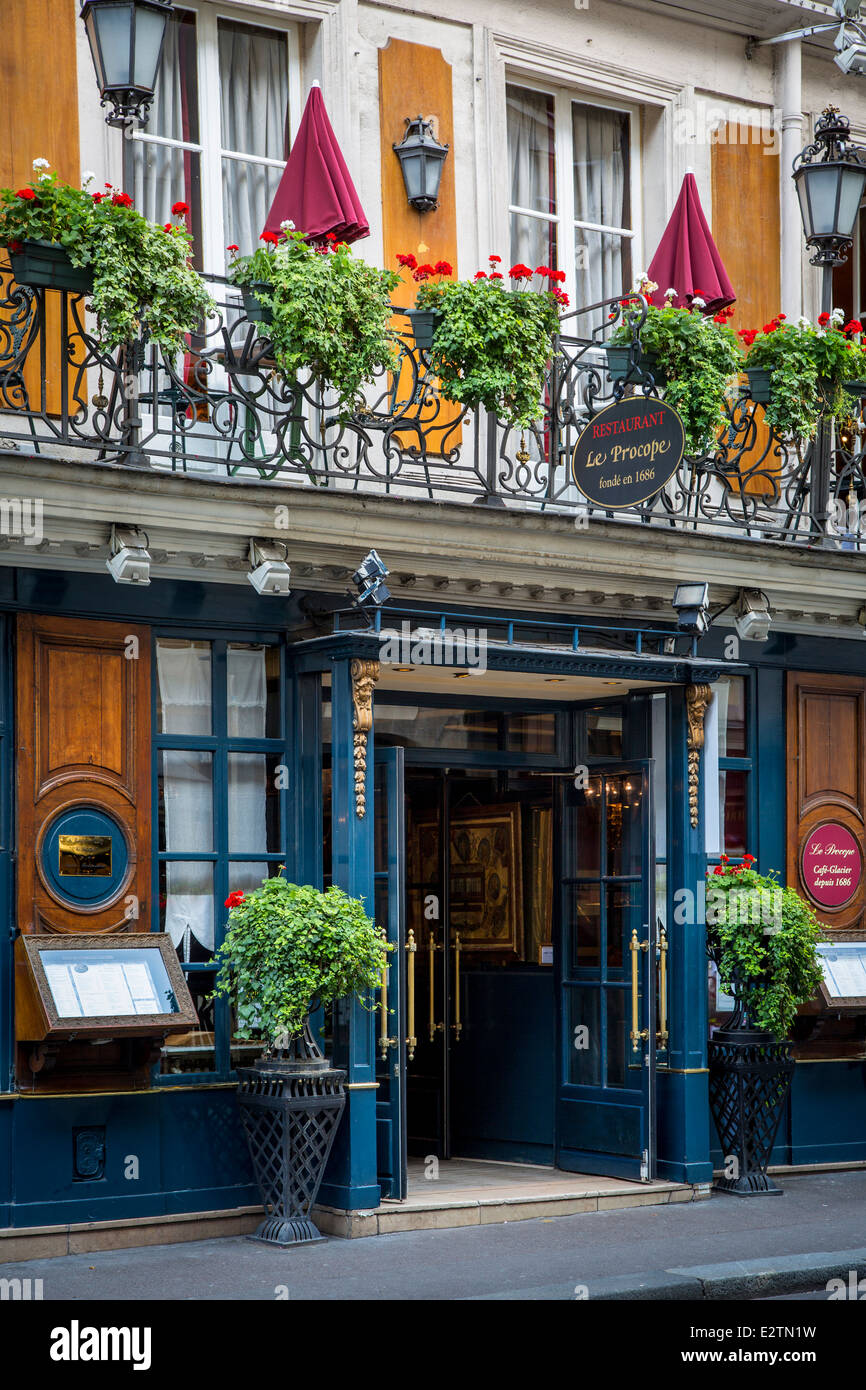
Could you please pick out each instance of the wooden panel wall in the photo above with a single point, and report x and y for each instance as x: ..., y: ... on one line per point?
x: 745, y: 224
x: 83, y: 737
x: 827, y: 774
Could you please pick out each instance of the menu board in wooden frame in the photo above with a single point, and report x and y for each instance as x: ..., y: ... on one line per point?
x: 92, y: 986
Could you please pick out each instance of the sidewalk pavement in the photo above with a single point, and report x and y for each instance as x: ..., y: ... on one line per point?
x: 722, y: 1248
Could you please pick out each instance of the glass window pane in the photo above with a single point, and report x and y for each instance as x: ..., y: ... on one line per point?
x: 246, y: 876
x: 252, y: 691
x: 623, y: 824
x: 601, y: 166
x: 584, y: 1035
x: 533, y: 241
x: 615, y: 1000
x: 732, y: 801
x: 531, y: 733
x: 604, y: 734
x: 185, y: 782
x: 413, y: 726
x: 186, y: 908
x: 254, y: 803
x: 531, y: 150
x: 623, y: 915
x: 193, y: 1051
x: 583, y: 907
x: 254, y: 97
x: 587, y: 828
x: 183, y: 693
x: 731, y: 697
x: 602, y: 266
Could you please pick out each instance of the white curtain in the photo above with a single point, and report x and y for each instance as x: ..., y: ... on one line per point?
x: 158, y: 176
x: 254, y: 97
x: 601, y: 195
x: 247, y: 772
x: 184, y: 676
x: 533, y: 182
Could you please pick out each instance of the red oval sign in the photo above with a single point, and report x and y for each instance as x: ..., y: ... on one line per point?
x: 831, y: 864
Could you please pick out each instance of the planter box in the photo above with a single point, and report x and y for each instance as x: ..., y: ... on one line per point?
x: 255, y: 310
x: 619, y: 367
x: 423, y: 323
x: 759, y: 384
x: 46, y: 265
x: 857, y: 389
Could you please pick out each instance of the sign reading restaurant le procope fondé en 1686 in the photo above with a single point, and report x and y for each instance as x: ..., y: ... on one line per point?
x: 627, y: 452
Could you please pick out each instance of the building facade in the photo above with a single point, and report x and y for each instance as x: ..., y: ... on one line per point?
x: 520, y: 761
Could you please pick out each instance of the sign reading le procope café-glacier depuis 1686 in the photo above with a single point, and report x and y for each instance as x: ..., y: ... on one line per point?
x: 628, y: 452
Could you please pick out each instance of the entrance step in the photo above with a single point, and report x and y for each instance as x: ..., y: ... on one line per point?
x: 471, y: 1192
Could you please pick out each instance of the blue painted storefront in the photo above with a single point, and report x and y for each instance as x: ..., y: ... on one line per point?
x: 186, y: 1136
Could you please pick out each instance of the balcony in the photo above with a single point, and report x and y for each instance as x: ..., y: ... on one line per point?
x: 222, y: 411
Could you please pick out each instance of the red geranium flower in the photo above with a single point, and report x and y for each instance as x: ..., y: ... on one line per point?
x: 121, y: 200
x: 724, y: 858
x: 423, y: 272
x: 495, y: 275
x: 496, y: 260
x: 180, y: 209
x: 330, y: 236
x: 520, y: 272
x: 234, y: 899
x: 558, y: 275
x: 749, y: 859
x: 98, y: 197
x: 718, y: 869
x: 25, y: 193
x: 781, y: 316
x: 270, y: 237
x: 853, y: 326
x: 16, y: 246
x: 542, y: 270
x: 168, y: 226
x: 232, y: 249
x: 443, y: 268
x: 561, y: 297
x: 408, y: 261
x: 824, y: 318
x: 481, y: 275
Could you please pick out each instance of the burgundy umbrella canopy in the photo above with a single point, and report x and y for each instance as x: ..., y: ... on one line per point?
x: 687, y: 258
x: 316, y: 191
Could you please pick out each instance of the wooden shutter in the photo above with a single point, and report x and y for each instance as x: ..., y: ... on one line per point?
x: 827, y: 775
x: 83, y: 736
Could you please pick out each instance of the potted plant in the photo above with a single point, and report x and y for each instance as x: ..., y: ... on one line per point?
x: 138, y: 273
x: 763, y: 939
x: 804, y: 372
x: 491, y: 344
x: 423, y: 321
x: 288, y: 950
x: 320, y: 308
x: 693, y: 359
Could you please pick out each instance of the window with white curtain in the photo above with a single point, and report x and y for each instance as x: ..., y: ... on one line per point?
x: 220, y: 128
x: 574, y: 191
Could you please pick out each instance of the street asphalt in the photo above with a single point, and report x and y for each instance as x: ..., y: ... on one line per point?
x: 721, y: 1248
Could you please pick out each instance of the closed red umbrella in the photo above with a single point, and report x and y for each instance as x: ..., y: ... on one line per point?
x: 316, y: 191
x: 687, y: 258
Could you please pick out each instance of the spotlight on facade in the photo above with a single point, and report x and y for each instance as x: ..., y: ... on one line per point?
x: 126, y: 38
x: 422, y: 160
x: 690, y: 602
x: 269, y: 573
x: 129, y: 561
x: 369, y: 581
x: 850, y: 54
x: 753, y: 618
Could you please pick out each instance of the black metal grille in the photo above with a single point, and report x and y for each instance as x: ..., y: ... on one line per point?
x: 749, y: 1082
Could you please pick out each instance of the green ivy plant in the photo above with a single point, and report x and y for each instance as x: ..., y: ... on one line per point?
x: 143, y: 281
x: 290, y: 948
x: 492, y: 344
x: 697, y: 361
x: 763, y: 939
x: 808, y: 365
x: 331, y: 312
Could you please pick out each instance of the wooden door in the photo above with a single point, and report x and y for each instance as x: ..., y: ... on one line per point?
x: 827, y: 780
x: 83, y: 736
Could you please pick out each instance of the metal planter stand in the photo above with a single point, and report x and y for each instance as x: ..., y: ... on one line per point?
x: 750, y: 1076
x: 290, y: 1104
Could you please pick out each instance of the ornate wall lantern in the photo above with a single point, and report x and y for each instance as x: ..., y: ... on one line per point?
x: 422, y: 159
x: 126, y: 38
x: 830, y: 177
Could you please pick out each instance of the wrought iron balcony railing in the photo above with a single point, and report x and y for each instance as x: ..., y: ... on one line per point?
x: 221, y: 409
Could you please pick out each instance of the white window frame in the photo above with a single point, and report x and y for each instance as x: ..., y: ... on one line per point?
x: 564, y: 217
x: 210, y: 150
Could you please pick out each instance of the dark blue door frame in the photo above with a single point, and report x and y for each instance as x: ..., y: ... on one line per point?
x: 390, y: 913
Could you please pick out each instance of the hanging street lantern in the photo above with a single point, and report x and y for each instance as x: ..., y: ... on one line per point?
x: 421, y: 160
x: 830, y: 178
x: 126, y: 38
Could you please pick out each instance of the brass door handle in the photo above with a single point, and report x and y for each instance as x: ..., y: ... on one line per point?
x: 637, y: 1035
x: 433, y: 947
x: 385, y: 1041
x: 662, y: 1034
x: 411, y: 1040
x: 457, y: 1024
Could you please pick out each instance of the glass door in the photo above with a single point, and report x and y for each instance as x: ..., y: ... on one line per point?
x: 605, y: 1114
x: 394, y: 1042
